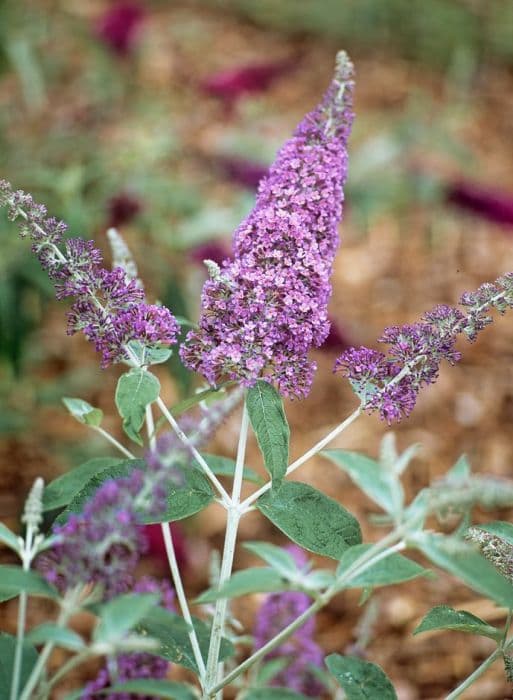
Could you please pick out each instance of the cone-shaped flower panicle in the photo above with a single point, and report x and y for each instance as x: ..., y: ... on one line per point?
x: 266, y: 308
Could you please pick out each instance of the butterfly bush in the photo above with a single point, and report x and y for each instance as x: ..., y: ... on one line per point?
x: 266, y: 308
x: 262, y: 312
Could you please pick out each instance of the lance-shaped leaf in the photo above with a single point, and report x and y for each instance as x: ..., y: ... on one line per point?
x: 273, y: 694
x: 368, y: 475
x: 9, y: 538
x: 14, y: 580
x: 260, y: 579
x: 277, y: 557
x: 135, y: 390
x: 173, y: 634
x: 392, y: 569
x: 499, y: 528
x: 265, y: 409
x: 360, y: 679
x: 464, y: 561
x: 120, y: 615
x: 83, y: 411
x: 61, y: 491
x: 443, y: 617
x: 150, y: 687
x: 7, y: 651
x: 311, y: 519
x: 60, y: 636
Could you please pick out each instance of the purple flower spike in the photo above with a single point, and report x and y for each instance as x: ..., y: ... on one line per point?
x: 265, y: 309
x: 109, y: 307
x: 101, y: 545
x: 390, y: 383
x: 277, y: 612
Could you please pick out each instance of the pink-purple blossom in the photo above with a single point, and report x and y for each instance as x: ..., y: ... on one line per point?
x: 264, y: 310
x: 389, y: 383
x: 300, y: 649
x: 119, y: 25
x: 108, y: 307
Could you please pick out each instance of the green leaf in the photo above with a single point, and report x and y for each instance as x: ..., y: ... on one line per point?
x: 154, y: 688
x: 443, y: 617
x: 118, y: 471
x: 367, y: 474
x: 277, y: 557
x: 7, y: 650
x: 62, y: 637
x: 135, y: 390
x: 187, y: 495
x: 83, y: 411
x: 224, y: 466
x: 14, y: 580
x: 261, y: 579
x: 172, y: 632
x: 310, y: 519
x: 265, y: 409
x: 393, y: 569
x: 149, y: 355
x: 273, y: 694
x: 62, y: 490
x: 188, y: 403
x: 460, y: 471
x: 500, y: 528
x: 9, y: 538
x: 120, y: 615
x: 360, y: 679
x: 464, y: 561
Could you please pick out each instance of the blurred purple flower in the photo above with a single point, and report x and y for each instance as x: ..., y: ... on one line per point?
x: 122, y: 208
x: 490, y: 204
x: 102, y: 544
x: 242, y: 171
x: 134, y: 665
x: 217, y: 251
x: 229, y: 85
x: 119, y: 25
x: 276, y: 612
x: 337, y: 338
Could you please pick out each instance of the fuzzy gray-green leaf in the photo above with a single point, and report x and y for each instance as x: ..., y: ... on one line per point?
x: 265, y: 409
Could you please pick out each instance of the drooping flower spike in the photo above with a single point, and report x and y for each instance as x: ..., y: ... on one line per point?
x: 109, y: 307
x: 266, y: 308
x: 390, y: 383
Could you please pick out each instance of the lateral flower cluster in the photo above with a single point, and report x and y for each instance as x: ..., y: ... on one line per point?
x: 263, y: 310
x: 300, y: 649
x: 390, y: 383
x: 109, y: 307
x: 136, y: 665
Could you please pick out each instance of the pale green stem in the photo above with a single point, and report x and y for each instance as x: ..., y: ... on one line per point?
x: 474, y: 676
x: 173, y: 565
x: 199, y: 458
x: 113, y: 441
x: 232, y: 526
x: 245, y: 505
x: 379, y: 551
x: 26, y: 555
x: 67, y: 610
x: 66, y: 668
